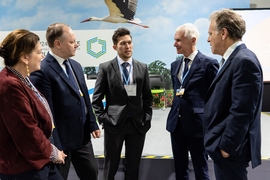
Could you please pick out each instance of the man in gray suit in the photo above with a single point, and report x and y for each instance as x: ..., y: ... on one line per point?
x: 124, y: 83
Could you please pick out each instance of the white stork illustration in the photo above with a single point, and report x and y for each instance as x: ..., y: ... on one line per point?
x: 121, y: 11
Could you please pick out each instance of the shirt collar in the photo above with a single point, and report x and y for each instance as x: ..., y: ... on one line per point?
x: 192, y: 55
x: 58, y: 59
x: 121, y: 61
x: 230, y: 50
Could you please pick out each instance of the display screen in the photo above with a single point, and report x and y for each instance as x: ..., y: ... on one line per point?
x: 257, y: 37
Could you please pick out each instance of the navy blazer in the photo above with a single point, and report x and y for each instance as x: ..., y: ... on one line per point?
x: 64, y: 101
x: 233, y: 107
x: 120, y: 106
x: 190, y: 106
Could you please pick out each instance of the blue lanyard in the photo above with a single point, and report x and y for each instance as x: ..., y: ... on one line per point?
x: 129, y: 72
x: 183, y: 79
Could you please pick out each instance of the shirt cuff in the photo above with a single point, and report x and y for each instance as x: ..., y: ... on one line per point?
x: 54, y: 154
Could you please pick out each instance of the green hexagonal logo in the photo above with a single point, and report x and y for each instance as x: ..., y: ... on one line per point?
x: 102, y: 49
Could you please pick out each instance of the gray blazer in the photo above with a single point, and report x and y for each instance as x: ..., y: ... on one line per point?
x: 120, y: 106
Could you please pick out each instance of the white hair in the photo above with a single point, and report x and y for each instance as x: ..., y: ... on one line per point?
x: 190, y: 30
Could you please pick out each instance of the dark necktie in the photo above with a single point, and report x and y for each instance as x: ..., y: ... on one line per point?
x: 186, y: 67
x: 125, y: 73
x: 76, y: 86
x: 71, y: 75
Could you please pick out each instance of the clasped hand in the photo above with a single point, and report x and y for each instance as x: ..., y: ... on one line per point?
x: 61, y: 157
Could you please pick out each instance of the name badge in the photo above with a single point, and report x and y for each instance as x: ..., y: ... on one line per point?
x: 180, y: 92
x: 131, y: 89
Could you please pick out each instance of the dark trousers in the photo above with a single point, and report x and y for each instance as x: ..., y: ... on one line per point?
x: 134, y: 142
x: 48, y: 172
x: 84, y: 163
x: 226, y: 169
x: 181, y: 145
x: 233, y: 167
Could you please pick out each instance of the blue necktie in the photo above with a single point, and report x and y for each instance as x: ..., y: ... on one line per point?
x: 125, y: 73
x: 186, y: 66
x: 76, y: 86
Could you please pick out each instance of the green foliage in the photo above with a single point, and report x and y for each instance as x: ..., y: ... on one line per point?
x: 156, y: 67
x: 159, y: 67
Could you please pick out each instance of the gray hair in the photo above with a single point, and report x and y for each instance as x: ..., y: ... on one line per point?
x: 233, y: 22
x: 190, y: 30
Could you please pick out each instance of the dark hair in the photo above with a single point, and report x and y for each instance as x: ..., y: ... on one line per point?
x: 118, y: 33
x: 55, y: 31
x: 233, y: 22
x: 17, y: 43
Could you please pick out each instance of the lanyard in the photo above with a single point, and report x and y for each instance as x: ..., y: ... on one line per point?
x: 183, y: 79
x: 126, y: 80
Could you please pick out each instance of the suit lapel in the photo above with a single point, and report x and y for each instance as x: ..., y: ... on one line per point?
x: 224, y: 68
x: 80, y: 79
x: 135, y: 70
x: 196, y: 62
x: 176, y: 69
x: 58, y: 70
x: 115, y: 68
x: 117, y: 73
x: 218, y: 76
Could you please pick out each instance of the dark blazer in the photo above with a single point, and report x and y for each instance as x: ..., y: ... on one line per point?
x: 25, y: 127
x: 233, y: 107
x: 120, y: 106
x: 190, y: 106
x: 64, y: 101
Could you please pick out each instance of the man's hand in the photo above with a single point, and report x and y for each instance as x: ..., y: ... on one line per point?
x: 224, y: 154
x: 96, y: 134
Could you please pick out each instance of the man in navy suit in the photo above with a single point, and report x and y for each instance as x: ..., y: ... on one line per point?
x: 62, y: 82
x: 233, y: 102
x: 191, y: 77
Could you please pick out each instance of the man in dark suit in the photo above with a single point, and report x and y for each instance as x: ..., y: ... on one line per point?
x: 233, y: 102
x: 191, y: 77
x: 128, y: 111
x: 62, y: 82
